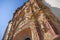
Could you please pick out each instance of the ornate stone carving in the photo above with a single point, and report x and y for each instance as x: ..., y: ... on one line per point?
x: 33, y: 21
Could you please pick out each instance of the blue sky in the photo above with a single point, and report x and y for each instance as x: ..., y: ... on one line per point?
x: 7, y: 8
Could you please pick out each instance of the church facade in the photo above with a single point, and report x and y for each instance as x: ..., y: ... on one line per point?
x: 33, y: 21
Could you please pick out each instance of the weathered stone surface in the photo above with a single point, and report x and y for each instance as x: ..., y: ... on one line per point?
x: 33, y: 21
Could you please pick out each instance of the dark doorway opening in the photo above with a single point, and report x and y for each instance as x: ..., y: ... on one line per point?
x: 27, y: 39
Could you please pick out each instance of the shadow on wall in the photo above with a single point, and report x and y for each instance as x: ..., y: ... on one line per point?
x: 55, y: 10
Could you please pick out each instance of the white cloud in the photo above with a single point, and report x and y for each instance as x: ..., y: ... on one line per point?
x: 54, y: 3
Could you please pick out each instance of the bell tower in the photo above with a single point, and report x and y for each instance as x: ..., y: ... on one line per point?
x: 33, y: 21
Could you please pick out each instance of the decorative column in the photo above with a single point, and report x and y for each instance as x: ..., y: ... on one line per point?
x: 51, y: 30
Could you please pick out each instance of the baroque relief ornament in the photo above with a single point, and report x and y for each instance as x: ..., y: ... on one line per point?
x: 33, y: 21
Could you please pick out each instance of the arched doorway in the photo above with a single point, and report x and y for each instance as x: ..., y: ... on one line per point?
x: 24, y: 35
x: 27, y: 39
